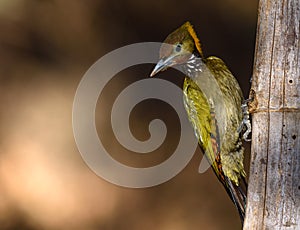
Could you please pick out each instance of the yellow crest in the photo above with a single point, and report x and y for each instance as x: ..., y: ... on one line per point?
x: 192, y: 32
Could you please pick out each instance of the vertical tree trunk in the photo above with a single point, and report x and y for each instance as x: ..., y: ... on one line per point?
x: 274, y: 183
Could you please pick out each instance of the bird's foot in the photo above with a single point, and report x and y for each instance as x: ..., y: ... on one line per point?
x: 246, y: 123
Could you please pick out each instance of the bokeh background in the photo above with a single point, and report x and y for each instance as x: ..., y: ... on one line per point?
x: 45, y: 48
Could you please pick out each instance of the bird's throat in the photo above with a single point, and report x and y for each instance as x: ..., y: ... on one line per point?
x: 193, y: 66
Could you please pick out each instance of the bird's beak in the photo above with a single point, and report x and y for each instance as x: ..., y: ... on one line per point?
x: 163, y: 64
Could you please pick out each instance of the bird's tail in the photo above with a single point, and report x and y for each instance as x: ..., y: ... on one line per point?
x: 238, y: 195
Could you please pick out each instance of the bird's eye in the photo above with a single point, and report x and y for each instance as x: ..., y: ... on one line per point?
x: 178, y: 48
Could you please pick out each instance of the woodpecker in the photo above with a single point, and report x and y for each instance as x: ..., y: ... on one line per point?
x: 213, y: 101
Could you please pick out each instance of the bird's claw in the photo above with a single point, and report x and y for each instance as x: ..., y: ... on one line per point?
x: 246, y: 121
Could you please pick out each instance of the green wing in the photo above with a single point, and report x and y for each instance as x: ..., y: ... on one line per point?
x: 232, y: 151
x: 202, y: 118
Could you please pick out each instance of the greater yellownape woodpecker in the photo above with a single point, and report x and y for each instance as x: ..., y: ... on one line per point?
x: 219, y: 136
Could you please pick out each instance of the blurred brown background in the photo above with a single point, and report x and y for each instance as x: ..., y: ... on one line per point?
x: 45, y: 48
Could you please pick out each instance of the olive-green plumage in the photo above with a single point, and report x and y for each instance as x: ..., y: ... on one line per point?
x: 212, y: 99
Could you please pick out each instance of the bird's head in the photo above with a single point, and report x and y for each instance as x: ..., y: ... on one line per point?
x: 178, y: 48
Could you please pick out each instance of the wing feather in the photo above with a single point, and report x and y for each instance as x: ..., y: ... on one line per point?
x: 202, y: 118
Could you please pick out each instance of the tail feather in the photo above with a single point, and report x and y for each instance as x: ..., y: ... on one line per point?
x: 237, y: 193
x: 238, y: 196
